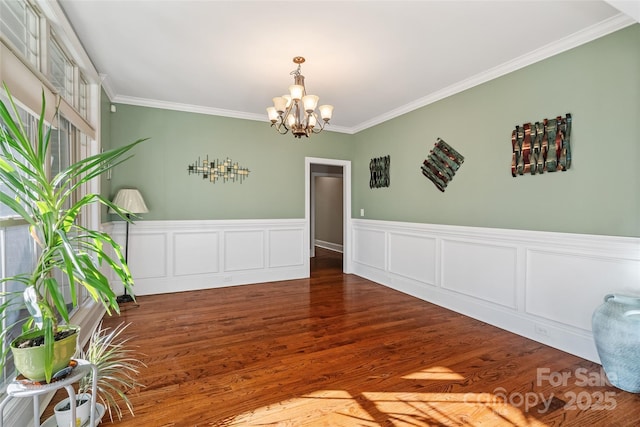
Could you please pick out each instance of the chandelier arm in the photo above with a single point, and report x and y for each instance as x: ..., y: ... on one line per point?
x: 279, y: 127
x: 286, y: 114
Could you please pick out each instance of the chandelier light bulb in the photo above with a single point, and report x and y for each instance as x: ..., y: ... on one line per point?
x: 273, y: 114
x: 296, y: 92
x: 280, y: 104
x: 326, y: 111
x: 310, y: 102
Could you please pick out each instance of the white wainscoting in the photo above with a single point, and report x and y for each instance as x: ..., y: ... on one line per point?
x: 540, y: 285
x: 175, y: 256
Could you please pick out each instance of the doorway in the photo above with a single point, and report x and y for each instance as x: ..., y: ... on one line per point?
x: 324, y: 175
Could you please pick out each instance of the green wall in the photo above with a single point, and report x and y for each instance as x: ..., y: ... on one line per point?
x: 598, y: 83
x: 274, y: 188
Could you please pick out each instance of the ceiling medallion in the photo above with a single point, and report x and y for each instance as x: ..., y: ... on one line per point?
x: 295, y: 111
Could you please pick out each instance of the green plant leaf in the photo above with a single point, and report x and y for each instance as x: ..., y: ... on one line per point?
x: 118, y: 366
x: 48, y: 348
x: 50, y: 207
x: 54, y: 290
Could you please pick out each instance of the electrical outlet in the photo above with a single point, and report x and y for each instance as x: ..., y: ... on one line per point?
x: 361, y: 212
x: 541, y: 330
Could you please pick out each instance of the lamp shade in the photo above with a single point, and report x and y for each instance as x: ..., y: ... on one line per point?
x: 130, y: 200
x: 326, y: 111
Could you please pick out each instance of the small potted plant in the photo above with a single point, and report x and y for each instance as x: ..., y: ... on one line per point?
x: 117, y: 365
x: 65, y: 248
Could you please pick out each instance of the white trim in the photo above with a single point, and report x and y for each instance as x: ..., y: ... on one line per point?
x: 589, y: 34
x: 579, y: 38
x: 540, y: 285
x: 346, y: 206
x: 105, y: 83
x: 336, y: 247
x: 176, y: 256
x: 67, y: 35
x: 630, y: 7
x: 199, y: 109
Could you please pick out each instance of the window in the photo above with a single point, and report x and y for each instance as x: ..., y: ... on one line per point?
x: 33, y: 37
x: 83, y: 95
x: 30, y: 126
x: 18, y: 251
x: 20, y: 24
x: 60, y: 71
x: 17, y: 254
x: 38, y: 40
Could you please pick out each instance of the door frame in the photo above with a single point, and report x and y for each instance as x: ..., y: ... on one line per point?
x: 346, y: 206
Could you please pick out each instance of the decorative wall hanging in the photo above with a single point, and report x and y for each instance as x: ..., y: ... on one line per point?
x: 379, y: 168
x: 541, y: 147
x: 225, y: 170
x: 442, y: 164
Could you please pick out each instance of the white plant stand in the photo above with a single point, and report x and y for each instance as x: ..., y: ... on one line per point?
x: 21, y: 389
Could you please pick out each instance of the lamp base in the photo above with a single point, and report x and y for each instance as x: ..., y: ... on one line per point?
x: 121, y: 299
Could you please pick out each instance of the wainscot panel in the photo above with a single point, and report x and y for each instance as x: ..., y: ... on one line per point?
x: 574, y: 280
x: 147, y: 254
x: 369, y: 247
x: 244, y: 250
x: 480, y: 270
x: 195, y: 253
x: 413, y: 256
x: 285, y: 248
x: 544, y: 286
x: 176, y: 256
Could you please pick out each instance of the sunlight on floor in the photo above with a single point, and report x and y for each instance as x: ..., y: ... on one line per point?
x: 435, y: 373
x: 398, y: 408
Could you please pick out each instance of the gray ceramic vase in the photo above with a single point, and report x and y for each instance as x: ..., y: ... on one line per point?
x: 616, y: 330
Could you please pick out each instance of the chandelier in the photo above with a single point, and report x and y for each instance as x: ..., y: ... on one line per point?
x: 295, y: 112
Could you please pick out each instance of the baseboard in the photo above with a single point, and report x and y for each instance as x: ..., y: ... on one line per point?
x: 336, y: 247
x: 540, y: 285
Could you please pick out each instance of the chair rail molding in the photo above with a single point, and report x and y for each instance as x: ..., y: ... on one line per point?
x: 176, y: 256
x: 541, y: 285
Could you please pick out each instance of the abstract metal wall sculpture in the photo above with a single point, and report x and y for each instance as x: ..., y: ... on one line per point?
x: 542, y: 146
x: 225, y: 170
x: 379, y: 168
x: 442, y: 164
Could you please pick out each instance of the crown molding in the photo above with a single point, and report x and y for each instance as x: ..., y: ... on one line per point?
x: 106, y: 84
x: 630, y: 7
x: 189, y: 108
x: 587, y: 35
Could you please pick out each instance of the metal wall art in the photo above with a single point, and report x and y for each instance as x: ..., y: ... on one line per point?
x: 542, y: 146
x: 442, y: 164
x: 379, y: 168
x: 224, y: 170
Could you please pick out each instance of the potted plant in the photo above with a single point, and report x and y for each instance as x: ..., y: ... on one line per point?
x: 117, y: 366
x: 65, y: 248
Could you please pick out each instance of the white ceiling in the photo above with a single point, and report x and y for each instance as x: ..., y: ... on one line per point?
x: 373, y: 60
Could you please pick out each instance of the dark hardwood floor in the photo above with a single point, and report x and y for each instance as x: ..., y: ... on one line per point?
x: 339, y: 350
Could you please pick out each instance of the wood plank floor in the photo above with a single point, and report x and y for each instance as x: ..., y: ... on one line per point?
x: 339, y: 350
